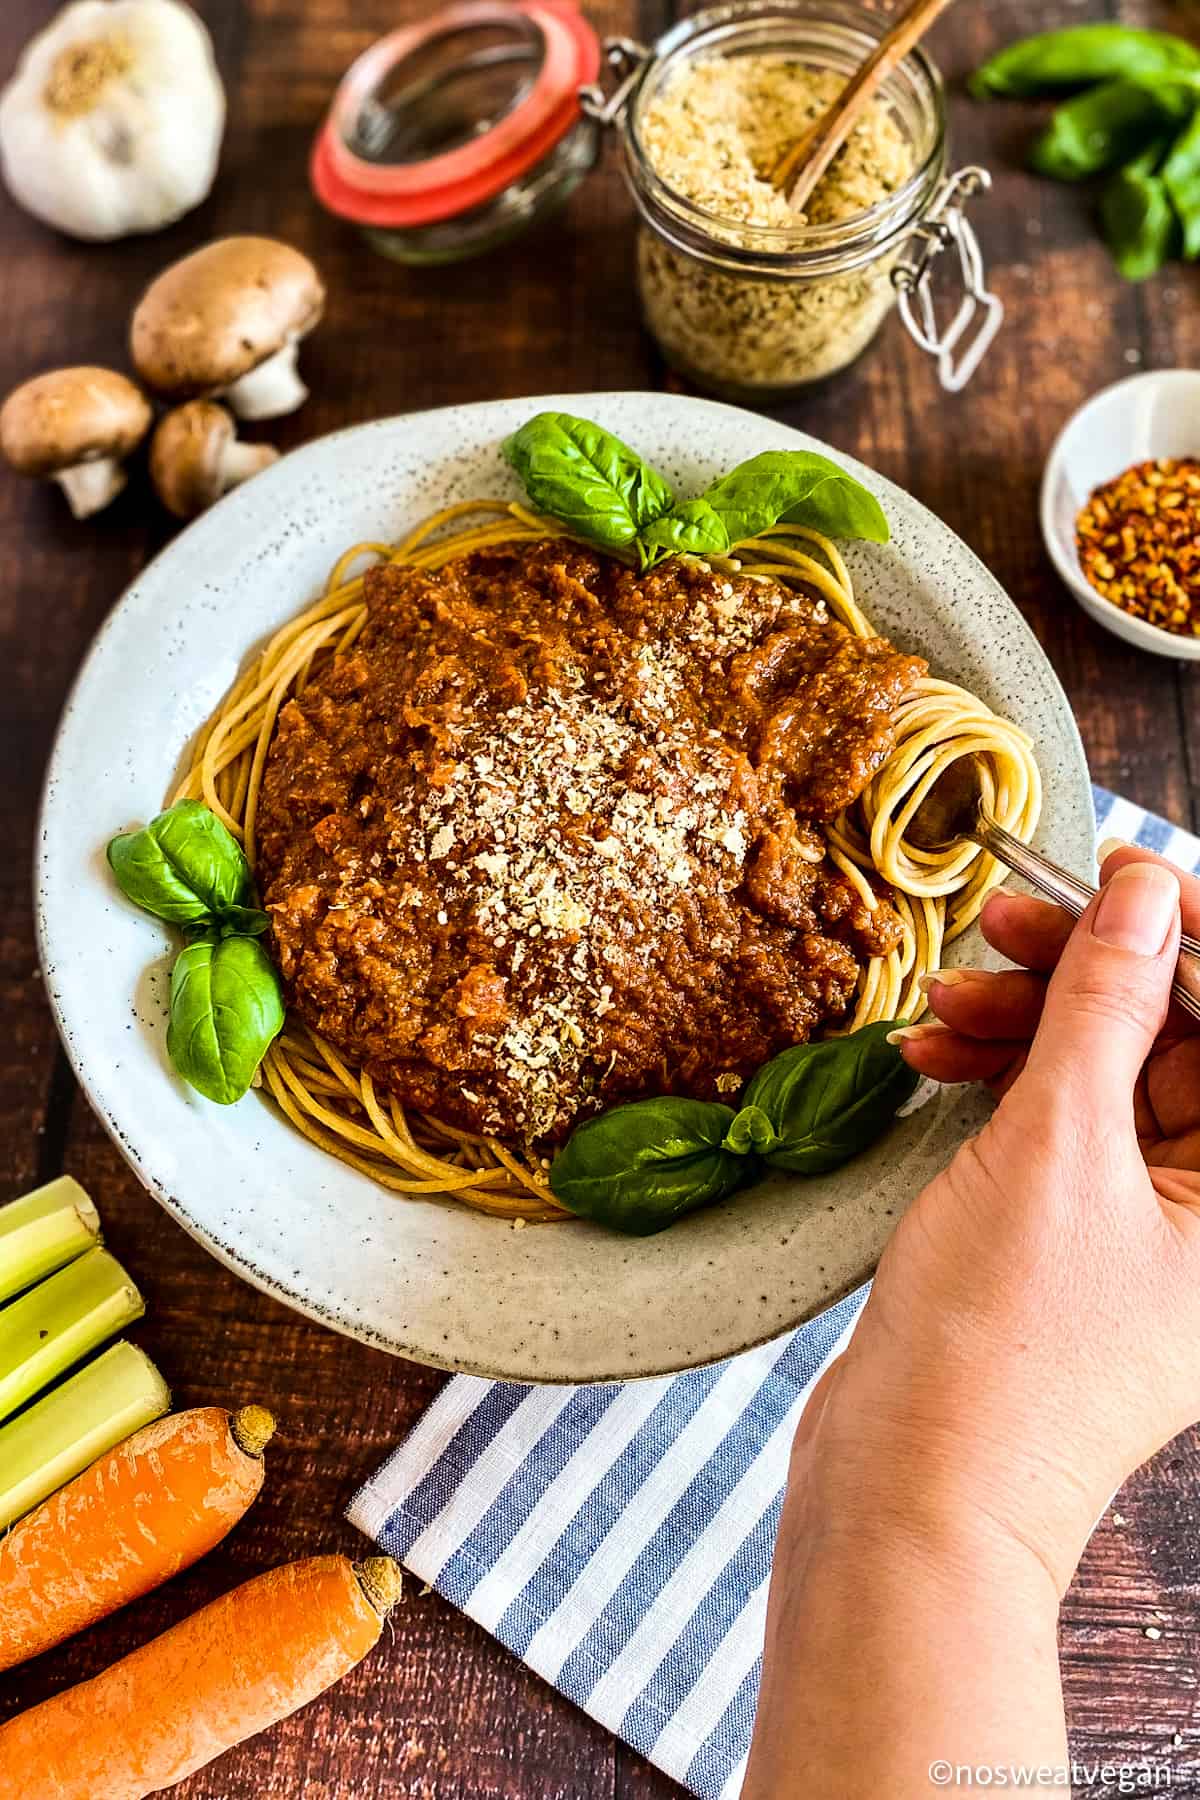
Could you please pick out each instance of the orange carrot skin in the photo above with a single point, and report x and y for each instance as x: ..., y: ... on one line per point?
x: 230, y: 1670
x: 151, y: 1507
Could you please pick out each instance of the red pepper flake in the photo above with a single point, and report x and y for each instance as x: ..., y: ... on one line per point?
x: 1139, y: 543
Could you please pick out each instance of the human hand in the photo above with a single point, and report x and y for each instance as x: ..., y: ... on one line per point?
x: 985, y: 1021
x: 1032, y: 1335
x: 1034, y: 1330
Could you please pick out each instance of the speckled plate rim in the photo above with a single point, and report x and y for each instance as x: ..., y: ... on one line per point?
x: 426, y: 1280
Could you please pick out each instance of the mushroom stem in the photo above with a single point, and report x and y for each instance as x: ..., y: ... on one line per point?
x: 271, y: 390
x: 240, y: 461
x: 89, y: 486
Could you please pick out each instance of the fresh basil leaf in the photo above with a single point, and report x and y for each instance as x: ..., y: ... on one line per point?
x: 638, y: 1168
x: 1140, y: 225
x: 796, y: 487
x: 828, y: 1101
x: 793, y: 487
x: 1180, y: 174
x: 581, y: 474
x: 1107, y: 126
x: 184, y: 866
x: 226, y: 1007
x: 244, y: 921
x: 691, y: 528
x: 751, y: 1133
x: 1055, y: 61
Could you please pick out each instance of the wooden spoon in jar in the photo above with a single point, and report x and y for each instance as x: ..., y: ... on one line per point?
x: 800, y: 167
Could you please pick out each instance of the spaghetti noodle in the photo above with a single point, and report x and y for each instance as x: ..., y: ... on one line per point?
x: 937, y: 894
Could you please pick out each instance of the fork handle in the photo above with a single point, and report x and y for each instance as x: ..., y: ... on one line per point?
x: 1074, y: 896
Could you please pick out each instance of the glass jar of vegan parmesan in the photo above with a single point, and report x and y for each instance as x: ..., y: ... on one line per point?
x: 747, y: 297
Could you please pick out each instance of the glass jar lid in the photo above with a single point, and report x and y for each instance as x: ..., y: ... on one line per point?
x: 440, y: 117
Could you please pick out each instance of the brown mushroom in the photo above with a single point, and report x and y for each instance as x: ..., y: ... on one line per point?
x: 195, y: 457
x: 226, y: 322
x: 75, y: 426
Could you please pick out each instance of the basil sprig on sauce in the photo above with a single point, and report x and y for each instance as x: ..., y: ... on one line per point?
x: 638, y: 1168
x: 1133, y: 118
x: 226, y: 998
x: 583, y: 475
x: 778, y: 487
x: 577, y: 472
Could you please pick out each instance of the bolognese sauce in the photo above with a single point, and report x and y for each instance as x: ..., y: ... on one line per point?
x: 548, y: 835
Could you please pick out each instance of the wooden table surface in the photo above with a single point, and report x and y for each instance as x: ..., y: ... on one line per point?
x: 440, y: 1711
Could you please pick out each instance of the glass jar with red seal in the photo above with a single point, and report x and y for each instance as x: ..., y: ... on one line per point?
x: 451, y: 136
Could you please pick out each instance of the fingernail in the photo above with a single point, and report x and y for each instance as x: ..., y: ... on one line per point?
x: 1108, y: 846
x: 946, y: 978
x: 1137, y: 909
x: 906, y: 1033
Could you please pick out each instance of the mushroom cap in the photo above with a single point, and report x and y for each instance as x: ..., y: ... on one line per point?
x: 71, y: 416
x: 220, y: 312
x: 185, y: 456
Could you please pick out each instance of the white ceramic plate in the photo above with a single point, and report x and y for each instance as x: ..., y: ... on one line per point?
x: 1149, y: 415
x: 431, y: 1280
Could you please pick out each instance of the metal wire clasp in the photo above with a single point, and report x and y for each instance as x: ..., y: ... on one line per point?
x: 626, y: 58
x: 946, y: 223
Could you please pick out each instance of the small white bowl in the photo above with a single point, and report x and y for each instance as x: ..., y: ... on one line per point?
x: 1151, y: 415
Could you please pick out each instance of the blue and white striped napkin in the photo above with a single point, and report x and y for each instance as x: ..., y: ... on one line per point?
x: 619, y: 1538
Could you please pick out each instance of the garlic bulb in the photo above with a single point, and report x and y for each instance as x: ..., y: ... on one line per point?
x: 112, y: 123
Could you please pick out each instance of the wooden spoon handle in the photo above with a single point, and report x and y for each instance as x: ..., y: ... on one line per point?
x: 801, y: 167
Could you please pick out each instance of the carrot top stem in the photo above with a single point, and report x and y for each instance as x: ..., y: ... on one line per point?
x: 380, y: 1579
x: 252, y: 1428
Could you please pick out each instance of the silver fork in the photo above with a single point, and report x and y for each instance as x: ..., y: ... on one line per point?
x: 953, y: 809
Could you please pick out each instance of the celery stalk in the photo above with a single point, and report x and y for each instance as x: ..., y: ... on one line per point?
x: 60, y: 1321
x: 67, y: 1429
x: 43, y: 1231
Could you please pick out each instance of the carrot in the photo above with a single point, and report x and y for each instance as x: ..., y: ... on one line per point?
x: 151, y: 1507
x: 230, y: 1670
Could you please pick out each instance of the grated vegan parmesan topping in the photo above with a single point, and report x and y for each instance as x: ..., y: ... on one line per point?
x: 717, y: 128
x: 713, y: 132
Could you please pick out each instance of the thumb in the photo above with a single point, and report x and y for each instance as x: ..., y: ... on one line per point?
x: 1108, y: 996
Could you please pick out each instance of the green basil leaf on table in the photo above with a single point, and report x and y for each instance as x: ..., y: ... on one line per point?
x: 226, y: 1007
x: 638, y: 1168
x: 184, y: 866
x: 1108, y: 125
x: 827, y: 1101
x: 1140, y: 225
x: 794, y: 487
x: 1180, y: 174
x: 581, y: 474
x: 1053, y: 61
